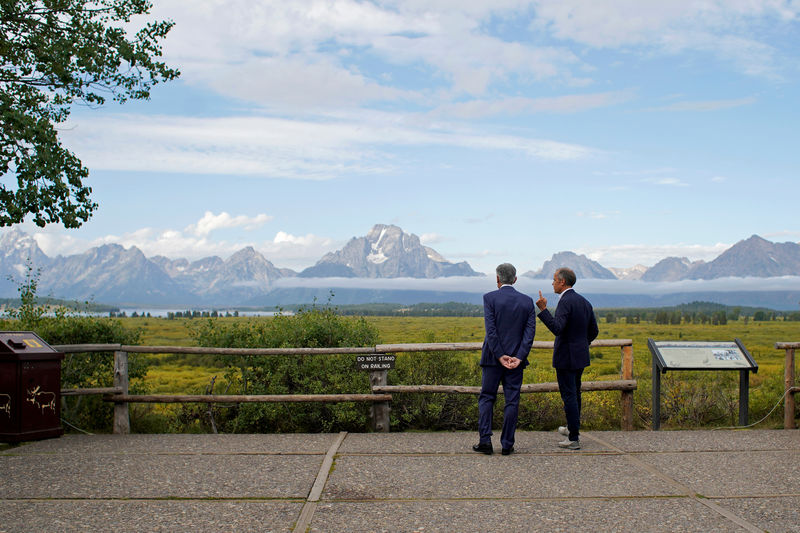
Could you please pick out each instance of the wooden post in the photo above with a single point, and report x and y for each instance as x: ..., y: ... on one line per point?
x: 379, y: 413
x: 788, y: 382
x: 122, y: 420
x: 626, y: 403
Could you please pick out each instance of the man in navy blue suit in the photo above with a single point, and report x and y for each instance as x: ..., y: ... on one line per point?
x: 510, y: 320
x: 575, y: 327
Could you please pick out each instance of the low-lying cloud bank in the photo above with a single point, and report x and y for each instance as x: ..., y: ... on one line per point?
x: 485, y: 284
x: 779, y: 293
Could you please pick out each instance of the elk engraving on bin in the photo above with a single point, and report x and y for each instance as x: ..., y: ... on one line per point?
x: 42, y: 399
x: 5, y: 404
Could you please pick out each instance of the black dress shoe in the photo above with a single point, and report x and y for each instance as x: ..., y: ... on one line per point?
x: 483, y: 448
x: 508, y: 451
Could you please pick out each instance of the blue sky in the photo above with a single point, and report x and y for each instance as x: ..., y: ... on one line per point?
x: 510, y: 130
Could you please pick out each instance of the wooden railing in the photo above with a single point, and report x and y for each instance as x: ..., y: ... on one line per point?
x: 790, y: 386
x: 381, y: 391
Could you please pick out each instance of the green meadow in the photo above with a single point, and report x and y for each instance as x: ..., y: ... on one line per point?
x: 689, y: 399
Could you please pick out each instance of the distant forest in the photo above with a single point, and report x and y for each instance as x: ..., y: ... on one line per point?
x: 695, y: 312
x: 81, y: 307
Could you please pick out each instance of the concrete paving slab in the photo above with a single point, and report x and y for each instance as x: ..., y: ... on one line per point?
x: 466, y: 516
x: 135, y: 516
x: 727, y: 474
x: 404, y: 482
x: 701, y: 440
x: 316, y: 443
x: 158, y: 476
x: 456, y: 442
x: 773, y: 514
x: 361, y: 477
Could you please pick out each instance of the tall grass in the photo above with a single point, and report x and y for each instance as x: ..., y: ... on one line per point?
x: 689, y: 399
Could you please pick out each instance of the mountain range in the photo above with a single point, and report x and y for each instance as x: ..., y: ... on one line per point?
x: 386, y: 252
x: 754, y: 257
x: 113, y: 274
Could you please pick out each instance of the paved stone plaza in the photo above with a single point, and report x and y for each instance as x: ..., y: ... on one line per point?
x: 619, y: 481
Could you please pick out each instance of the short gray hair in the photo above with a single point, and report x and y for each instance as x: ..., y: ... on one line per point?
x: 567, y: 276
x: 506, y: 273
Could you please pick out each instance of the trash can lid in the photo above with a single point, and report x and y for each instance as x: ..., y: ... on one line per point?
x: 21, y: 342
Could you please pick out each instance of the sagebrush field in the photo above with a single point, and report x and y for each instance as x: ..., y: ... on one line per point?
x: 689, y: 399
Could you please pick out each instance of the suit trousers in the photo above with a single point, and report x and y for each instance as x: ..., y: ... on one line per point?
x: 569, y: 385
x: 493, y: 376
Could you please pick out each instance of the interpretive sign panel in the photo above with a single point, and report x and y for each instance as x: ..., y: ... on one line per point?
x: 701, y: 355
x: 692, y: 355
x: 375, y: 362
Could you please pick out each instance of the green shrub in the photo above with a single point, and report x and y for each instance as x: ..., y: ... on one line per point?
x: 315, y: 327
x: 78, y: 370
x: 428, y: 411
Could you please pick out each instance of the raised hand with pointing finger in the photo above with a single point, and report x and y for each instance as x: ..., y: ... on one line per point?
x: 575, y: 327
x: 541, y: 303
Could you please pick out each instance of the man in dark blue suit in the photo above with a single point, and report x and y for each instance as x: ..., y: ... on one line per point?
x: 575, y: 327
x: 510, y: 320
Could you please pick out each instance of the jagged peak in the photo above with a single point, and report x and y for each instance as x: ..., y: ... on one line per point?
x: 245, y: 254
x: 379, y: 230
x: 115, y: 249
x: 388, y: 251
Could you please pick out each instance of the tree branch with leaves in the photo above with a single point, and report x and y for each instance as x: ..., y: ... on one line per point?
x: 56, y: 53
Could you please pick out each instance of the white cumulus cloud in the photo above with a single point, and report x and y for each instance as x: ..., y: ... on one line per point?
x: 732, y: 30
x: 211, y: 222
x: 343, y: 144
x: 430, y: 238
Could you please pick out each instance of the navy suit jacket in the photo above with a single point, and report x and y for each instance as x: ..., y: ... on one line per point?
x: 510, y: 320
x: 575, y: 327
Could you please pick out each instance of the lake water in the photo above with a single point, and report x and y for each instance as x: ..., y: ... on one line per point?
x: 163, y: 313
